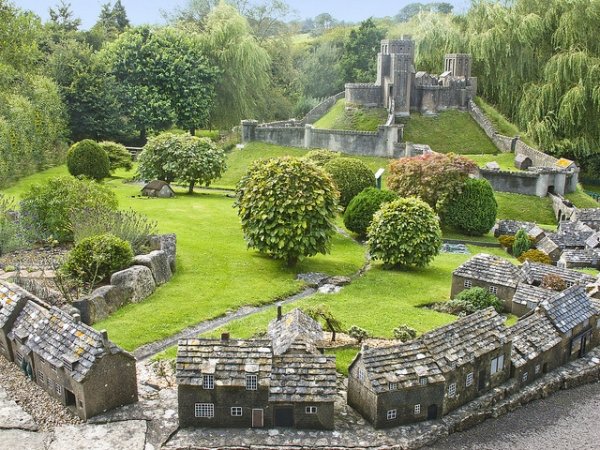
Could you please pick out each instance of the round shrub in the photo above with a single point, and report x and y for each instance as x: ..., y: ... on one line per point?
x: 118, y: 156
x: 95, y: 258
x: 358, y: 333
x: 350, y: 176
x: 404, y: 233
x: 473, y: 210
x: 87, y: 158
x: 321, y: 156
x: 474, y: 299
x: 522, y: 243
x: 535, y: 255
x: 506, y: 241
x: 287, y: 207
x: 405, y: 333
x: 47, y: 210
x: 360, y: 210
x: 554, y: 282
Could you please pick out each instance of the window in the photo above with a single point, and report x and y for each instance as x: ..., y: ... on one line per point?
x: 310, y: 410
x: 538, y: 369
x: 236, y: 411
x: 204, y: 410
x: 361, y: 374
x: 417, y: 409
x: 41, y: 377
x: 58, y: 389
x: 208, y: 382
x: 392, y: 414
x: 19, y: 359
x: 524, y: 377
x: 497, y: 364
x: 393, y: 386
x: 423, y: 381
x: 251, y: 382
x: 494, y: 289
x: 469, y: 380
x: 569, y: 284
x: 452, y: 390
x: 468, y: 284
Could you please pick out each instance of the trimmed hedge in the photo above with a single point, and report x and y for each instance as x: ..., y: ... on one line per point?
x: 473, y: 211
x: 360, y: 210
x: 87, y: 158
x: 351, y: 176
x: 118, y: 155
x: 321, y: 156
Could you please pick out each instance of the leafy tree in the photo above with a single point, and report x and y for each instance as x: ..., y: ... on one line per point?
x: 475, y: 299
x: 360, y: 210
x: 473, y: 211
x: 433, y: 177
x: 359, y: 59
x: 553, y: 282
x: 10, y: 235
x: 412, y: 9
x: 358, y: 333
x: 323, y: 21
x: 405, y: 333
x: 405, y: 233
x: 323, y: 312
x: 350, y: 176
x: 118, y: 155
x: 87, y: 158
x: 181, y: 157
x: 62, y: 17
x: 320, y: 74
x: 287, y: 207
x: 521, y: 244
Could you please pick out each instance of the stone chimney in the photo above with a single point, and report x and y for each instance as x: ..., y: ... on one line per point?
x: 224, y: 337
x: 279, y: 312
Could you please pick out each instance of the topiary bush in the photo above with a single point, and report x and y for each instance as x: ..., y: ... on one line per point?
x: 287, y: 207
x: 474, y: 299
x: 358, y: 333
x: 506, y: 241
x: 87, y: 158
x: 405, y: 233
x: 46, y: 210
x: 535, y: 255
x: 473, y: 211
x: 522, y: 243
x: 351, y: 176
x: 405, y: 333
x: 554, y: 282
x: 360, y: 210
x: 321, y: 156
x: 118, y: 156
x: 94, y: 259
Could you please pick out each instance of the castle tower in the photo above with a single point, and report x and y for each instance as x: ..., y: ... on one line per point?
x: 395, y: 70
x: 459, y: 64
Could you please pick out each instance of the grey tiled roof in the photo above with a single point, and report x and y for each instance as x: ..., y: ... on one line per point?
x: 532, y: 336
x: 581, y: 257
x: 510, y: 227
x: 547, y: 244
x: 403, y: 364
x: 531, y: 296
x: 587, y: 215
x: 10, y: 297
x: 228, y: 361
x: 534, y: 273
x: 491, y: 269
x: 303, y: 378
x: 593, y: 241
x: 569, y: 308
x: 460, y: 342
x: 32, y: 320
x: 293, y: 327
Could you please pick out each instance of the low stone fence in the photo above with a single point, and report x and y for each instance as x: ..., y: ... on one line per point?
x: 535, y: 181
x: 504, y: 143
x: 133, y: 284
x: 321, y: 109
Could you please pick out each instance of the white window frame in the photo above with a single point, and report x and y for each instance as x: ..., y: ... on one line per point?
x: 361, y: 374
x: 58, y: 389
x: 493, y: 290
x: 310, y: 410
x: 251, y: 382
x: 19, y: 358
x: 393, y: 386
x: 451, y: 389
x: 392, y: 414
x: 40, y: 376
x: 204, y: 410
x: 237, y: 411
x: 538, y: 368
x: 417, y: 409
x: 423, y: 381
x: 208, y: 381
x: 524, y: 377
x: 569, y: 284
x: 497, y: 364
x: 468, y: 284
x: 469, y: 379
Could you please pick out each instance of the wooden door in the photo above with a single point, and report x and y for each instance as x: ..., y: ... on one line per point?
x: 432, y: 412
x: 258, y: 419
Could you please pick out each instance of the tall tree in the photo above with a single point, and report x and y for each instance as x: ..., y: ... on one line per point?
x: 359, y: 60
x: 63, y: 18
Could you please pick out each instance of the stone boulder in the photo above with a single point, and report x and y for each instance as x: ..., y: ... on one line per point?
x: 492, y: 165
x: 158, y: 262
x: 137, y: 278
x: 168, y: 244
x: 102, y: 302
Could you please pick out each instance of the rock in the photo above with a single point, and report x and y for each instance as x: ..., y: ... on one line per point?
x: 339, y: 280
x: 492, y: 165
x: 329, y: 289
x: 158, y: 263
x: 312, y: 279
x: 102, y: 302
x: 22, y: 440
x: 130, y: 435
x: 168, y: 244
x: 13, y: 416
x: 137, y: 278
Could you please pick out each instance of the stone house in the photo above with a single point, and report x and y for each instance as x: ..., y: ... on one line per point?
x: 11, y: 304
x: 528, y: 297
x: 76, y: 364
x: 507, y: 227
x: 158, y: 188
x: 284, y: 382
x: 495, y: 274
x: 429, y: 377
x: 589, y: 216
x: 534, y: 273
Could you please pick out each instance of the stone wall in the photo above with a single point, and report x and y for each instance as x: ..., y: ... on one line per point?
x: 503, y: 143
x: 286, y: 136
x: 365, y: 94
x: 321, y: 109
x: 537, y: 182
x: 538, y: 158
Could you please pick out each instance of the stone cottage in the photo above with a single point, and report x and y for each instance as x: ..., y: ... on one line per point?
x: 534, y: 273
x: 528, y: 297
x: 158, y: 188
x: 76, y: 364
x: 589, y: 216
x: 11, y: 304
x: 283, y: 382
x: 429, y: 377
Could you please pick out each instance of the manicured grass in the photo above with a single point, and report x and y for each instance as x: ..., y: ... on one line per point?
x: 449, y: 233
x: 501, y: 123
x: 359, y: 119
x: 343, y: 357
x: 581, y: 199
x: 17, y: 190
x: 528, y: 208
x: 450, y: 131
x: 504, y: 160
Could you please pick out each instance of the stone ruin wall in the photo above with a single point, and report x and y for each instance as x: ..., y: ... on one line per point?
x: 321, y: 109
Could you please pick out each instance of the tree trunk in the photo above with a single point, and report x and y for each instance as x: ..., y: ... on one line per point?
x: 193, y: 131
x: 191, y: 187
x: 143, y: 135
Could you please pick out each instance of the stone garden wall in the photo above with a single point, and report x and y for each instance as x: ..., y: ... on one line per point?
x: 321, y: 109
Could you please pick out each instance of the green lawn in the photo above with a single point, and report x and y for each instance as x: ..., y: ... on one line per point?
x: 502, y: 124
x: 528, y: 208
x: 504, y: 160
x: 450, y: 131
x: 359, y: 119
x: 581, y: 199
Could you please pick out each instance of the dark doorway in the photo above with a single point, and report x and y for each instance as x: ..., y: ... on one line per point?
x: 70, y: 398
x: 284, y: 416
x: 257, y: 418
x: 545, y: 368
x: 481, y: 380
x: 432, y: 412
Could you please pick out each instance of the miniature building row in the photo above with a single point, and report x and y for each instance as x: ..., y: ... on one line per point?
x: 426, y: 378
x: 283, y: 381
x: 70, y: 360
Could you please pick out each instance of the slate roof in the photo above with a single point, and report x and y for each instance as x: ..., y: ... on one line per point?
x: 156, y: 185
x: 588, y: 216
x: 292, y: 327
x: 547, y: 244
x: 460, y: 342
x: 303, y: 378
x: 532, y: 336
x: 228, y: 360
x: 32, y: 320
x: 404, y: 364
x: 579, y: 257
x: 569, y: 308
x: 593, y: 241
x: 491, y: 269
x: 510, y: 227
x: 533, y: 273
x: 536, y: 233
x: 531, y: 296
x: 10, y: 298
